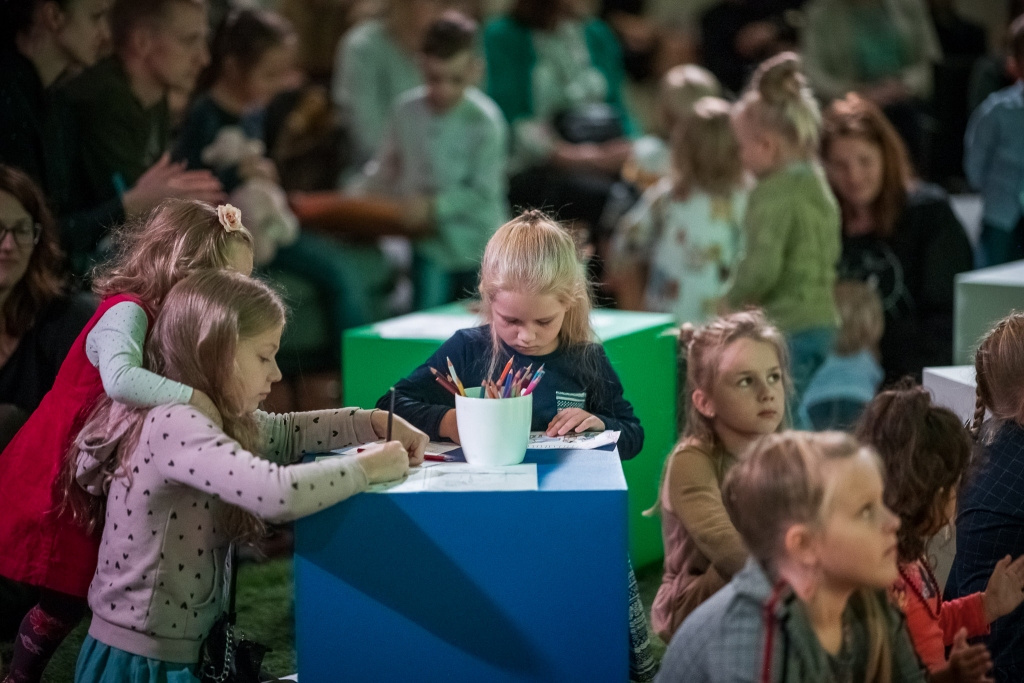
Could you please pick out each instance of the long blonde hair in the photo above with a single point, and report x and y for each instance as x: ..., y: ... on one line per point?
x: 177, y: 238
x: 782, y: 481
x: 705, y: 153
x: 193, y: 341
x: 999, y: 367
x: 779, y: 99
x: 534, y: 254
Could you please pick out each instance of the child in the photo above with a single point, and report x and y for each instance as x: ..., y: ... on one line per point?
x: 809, y: 604
x: 792, y: 222
x: 990, y: 507
x: 685, y: 231
x: 444, y: 154
x: 252, y: 61
x: 172, y: 490
x: 925, y: 451
x: 47, y: 549
x: 536, y: 310
x: 994, y: 161
x: 736, y: 381
x: 850, y: 375
x: 681, y: 88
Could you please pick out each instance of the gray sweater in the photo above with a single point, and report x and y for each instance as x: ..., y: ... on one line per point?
x: 159, y: 583
x: 723, y: 640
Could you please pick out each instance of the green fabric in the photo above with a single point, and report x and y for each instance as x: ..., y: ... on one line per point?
x: 119, y: 138
x: 508, y: 46
x: 792, y: 245
x: 879, y: 47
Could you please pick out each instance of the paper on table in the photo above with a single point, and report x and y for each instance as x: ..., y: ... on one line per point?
x: 459, y: 477
x: 576, y: 442
x: 425, y: 326
x: 433, y: 448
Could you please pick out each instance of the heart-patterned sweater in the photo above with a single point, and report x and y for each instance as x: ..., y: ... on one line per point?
x: 159, y: 583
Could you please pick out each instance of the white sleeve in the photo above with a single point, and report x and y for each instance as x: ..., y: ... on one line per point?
x: 115, y: 346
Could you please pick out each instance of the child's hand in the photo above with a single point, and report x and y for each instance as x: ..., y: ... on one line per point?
x: 574, y: 418
x: 384, y: 462
x: 1005, y: 589
x: 967, y: 663
x: 206, y: 406
x: 449, y: 428
x: 413, y: 440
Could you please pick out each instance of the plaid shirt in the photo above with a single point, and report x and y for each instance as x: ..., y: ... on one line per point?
x: 723, y: 640
x: 990, y: 526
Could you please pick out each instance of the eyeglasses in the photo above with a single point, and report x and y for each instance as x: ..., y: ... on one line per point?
x: 25, y: 234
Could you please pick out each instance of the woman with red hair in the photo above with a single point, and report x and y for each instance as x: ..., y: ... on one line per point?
x: 899, y: 234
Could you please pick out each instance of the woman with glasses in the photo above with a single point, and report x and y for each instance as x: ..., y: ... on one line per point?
x: 39, y: 319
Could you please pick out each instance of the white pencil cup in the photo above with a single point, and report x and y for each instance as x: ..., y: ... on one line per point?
x: 494, y: 432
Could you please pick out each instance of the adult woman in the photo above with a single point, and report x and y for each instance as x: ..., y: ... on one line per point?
x: 883, y: 49
x: 39, y: 322
x: 38, y: 319
x: 898, y: 233
x: 548, y: 63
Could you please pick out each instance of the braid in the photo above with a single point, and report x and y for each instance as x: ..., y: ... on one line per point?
x: 979, y: 415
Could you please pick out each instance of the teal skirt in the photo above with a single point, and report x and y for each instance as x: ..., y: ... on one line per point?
x: 99, y: 663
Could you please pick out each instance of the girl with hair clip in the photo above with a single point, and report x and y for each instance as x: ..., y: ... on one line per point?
x: 535, y: 305
x: 684, y: 235
x: 171, y: 489
x: 925, y: 451
x: 736, y: 383
x: 810, y: 603
x: 990, y: 507
x: 792, y: 236
x: 46, y: 548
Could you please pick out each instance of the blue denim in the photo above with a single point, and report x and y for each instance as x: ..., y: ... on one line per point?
x: 808, y: 350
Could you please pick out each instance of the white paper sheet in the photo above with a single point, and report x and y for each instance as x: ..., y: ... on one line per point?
x: 425, y: 326
x: 451, y: 477
x: 573, y: 442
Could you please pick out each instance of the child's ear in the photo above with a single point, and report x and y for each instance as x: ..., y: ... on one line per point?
x: 799, y: 545
x: 703, y: 403
x: 52, y: 16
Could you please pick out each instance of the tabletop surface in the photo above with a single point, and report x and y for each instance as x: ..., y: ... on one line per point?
x: 438, y: 324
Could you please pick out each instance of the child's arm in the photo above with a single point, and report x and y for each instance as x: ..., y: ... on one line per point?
x: 967, y: 612
x: 696, y: 499
x: 421, y: 400
x: 766, y: 230
x: 614, y: 410
x: 632, y: 244
x: 286, y: 438
x: 980, y: 144
x: 115, y: 346
x: 189, y: 449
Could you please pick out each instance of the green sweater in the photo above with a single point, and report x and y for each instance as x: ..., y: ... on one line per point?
x: 508, y: 46
x: 792, y: 246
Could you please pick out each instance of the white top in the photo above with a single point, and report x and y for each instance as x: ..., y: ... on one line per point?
x: 689, y: 246
x: 115, y: 347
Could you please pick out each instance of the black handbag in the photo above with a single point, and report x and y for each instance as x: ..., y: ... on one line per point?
x: 226, y: 656
x: 596, y: 122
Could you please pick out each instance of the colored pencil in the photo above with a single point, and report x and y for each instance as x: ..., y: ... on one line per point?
x: 533, y: 383
x: 525, y: 379
x: 506, y: 391
x: 455, y: 377
x: 391, y: 414
x: 508, y: 366
x: 447, y: 387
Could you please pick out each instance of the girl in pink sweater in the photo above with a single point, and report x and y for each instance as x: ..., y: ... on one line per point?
x: 173, y: 490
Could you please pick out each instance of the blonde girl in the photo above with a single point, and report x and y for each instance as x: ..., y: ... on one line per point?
x: 810, y: 604
x: 990, y: 506
x: 791, y: 227
x: 674, y: 251
x: 735, y: 392
x: 44, y: 548
x: 172, y: 489
x: 535, y: 306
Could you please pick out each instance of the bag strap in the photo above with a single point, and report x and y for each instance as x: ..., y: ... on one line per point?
x: 233, y: 585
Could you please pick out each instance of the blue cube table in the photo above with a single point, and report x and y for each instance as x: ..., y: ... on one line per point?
x: 470, y: 586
